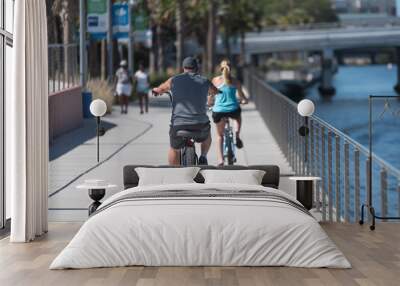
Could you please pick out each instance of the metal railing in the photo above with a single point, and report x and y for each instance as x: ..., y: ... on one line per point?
x: 341, y: 162
x: 63, y: 66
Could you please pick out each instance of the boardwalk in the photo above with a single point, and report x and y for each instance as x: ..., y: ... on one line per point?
x: 136, y: 139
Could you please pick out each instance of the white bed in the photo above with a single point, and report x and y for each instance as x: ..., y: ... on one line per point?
x: 206, y: 230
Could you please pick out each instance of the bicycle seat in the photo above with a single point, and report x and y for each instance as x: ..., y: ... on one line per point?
x: 190, y: 134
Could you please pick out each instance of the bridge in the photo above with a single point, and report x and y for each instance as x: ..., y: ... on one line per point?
x: 326, y: 40
x: 314, y: 40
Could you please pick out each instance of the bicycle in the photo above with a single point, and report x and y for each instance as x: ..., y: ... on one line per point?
x: 188, y: 155
x: 229, y: 141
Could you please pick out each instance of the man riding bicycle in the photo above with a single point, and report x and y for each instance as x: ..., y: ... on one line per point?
x: 191, y: 94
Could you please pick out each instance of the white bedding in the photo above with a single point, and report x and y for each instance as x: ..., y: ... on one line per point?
x: 200, y: 231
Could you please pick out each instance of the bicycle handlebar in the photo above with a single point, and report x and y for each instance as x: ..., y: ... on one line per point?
x: 154, y: 93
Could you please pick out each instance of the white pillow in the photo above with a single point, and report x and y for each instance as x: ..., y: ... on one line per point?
x: 248, y: 177
x: 166, y: 176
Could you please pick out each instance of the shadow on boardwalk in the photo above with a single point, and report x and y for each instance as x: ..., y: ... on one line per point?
x: 66, y: 142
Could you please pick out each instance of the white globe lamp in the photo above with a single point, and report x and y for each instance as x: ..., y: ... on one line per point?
x: 305, y: 108
x: 98, y: 108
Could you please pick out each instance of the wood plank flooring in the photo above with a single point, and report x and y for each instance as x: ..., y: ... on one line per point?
x: 375, y: 257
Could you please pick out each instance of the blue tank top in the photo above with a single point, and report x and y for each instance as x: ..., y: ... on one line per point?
x: 226, y: 101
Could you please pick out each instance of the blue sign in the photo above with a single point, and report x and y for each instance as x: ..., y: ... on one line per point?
x: 120, y: 20
x: 96, y: 33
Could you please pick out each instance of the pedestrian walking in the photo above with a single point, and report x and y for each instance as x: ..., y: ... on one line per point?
x: 142, y: 88
x: 123, y: 86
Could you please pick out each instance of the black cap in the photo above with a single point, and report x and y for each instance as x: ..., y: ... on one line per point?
x: 190, y: 63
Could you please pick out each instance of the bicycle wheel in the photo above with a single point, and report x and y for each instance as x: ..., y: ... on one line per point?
x: 229, y: 155
x: 189, y: 157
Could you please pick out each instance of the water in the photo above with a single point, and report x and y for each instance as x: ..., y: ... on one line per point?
x: 348, y: 112
x: 348, y: 109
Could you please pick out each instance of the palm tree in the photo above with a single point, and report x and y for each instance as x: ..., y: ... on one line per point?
x: 242, y: 16
x: 161, y: 12
x: 179, y: 33
x: 211, y: 35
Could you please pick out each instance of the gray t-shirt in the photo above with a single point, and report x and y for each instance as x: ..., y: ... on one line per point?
x: 189, y: 99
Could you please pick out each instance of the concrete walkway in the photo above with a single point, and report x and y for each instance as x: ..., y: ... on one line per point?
x: 136, y: 139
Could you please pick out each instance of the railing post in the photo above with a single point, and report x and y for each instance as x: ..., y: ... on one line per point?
x: 367, y: 187
x: 337, y: 178
x: 291, y: 132
x: 330, y: 206
x: 295, y: 145
x: 67, y: 65
x: 311, y: 156
x: 357, y: 184
x: 323, y: 153
x: 59, y: 76
x: 346, y: 183
x: 317, y: 167
x: 383, y: 192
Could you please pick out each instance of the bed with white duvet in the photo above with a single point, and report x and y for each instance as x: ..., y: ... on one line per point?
x: 195, y: 224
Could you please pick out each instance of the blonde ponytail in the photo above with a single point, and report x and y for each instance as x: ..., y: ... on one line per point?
x: 226, y: 71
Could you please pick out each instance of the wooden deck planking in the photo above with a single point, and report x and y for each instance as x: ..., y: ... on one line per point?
x: 375, y: 257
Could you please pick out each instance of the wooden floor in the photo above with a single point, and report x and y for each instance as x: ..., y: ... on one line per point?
x: 375, y: 257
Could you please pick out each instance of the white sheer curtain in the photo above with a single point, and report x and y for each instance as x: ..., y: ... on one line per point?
x: 27, y: 123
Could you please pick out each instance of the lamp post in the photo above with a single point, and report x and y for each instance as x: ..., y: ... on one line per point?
x: 98, y: 108
x: 305, y: 108
x: 82, y: 44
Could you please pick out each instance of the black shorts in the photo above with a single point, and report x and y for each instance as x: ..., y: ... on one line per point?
x: 217, y: 116
x: 177, y: 142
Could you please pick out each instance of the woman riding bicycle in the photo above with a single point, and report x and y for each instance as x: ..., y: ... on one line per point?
x: 226, y: 105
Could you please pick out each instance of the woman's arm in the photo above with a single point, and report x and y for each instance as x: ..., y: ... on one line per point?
x: 242, y: 97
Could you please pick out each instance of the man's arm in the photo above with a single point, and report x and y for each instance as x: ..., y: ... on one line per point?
x: 164, y: 87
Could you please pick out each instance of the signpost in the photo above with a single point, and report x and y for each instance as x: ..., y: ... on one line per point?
x: 120, y: 20
x: 110, y: 61
x: 82, y: 45
x: 115, y: 21
x: 97, y: 20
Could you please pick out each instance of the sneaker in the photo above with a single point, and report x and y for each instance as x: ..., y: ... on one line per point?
x: 239, y: 143
x: 203, y: 160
